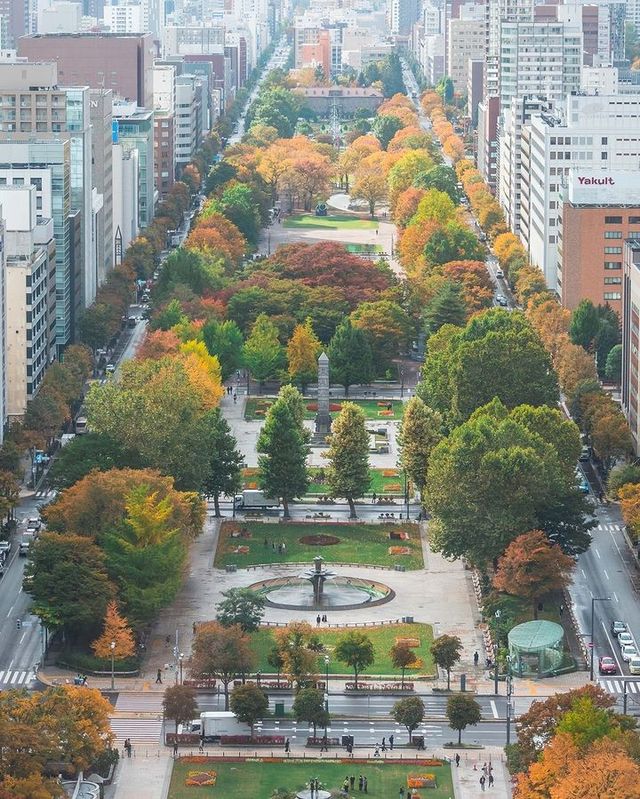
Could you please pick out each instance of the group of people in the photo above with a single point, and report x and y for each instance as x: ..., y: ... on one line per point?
x: 383, y: 746
x: 322, y: 619
x: 281, y: 547
x: 127, y: 746
x: 486, y: 778
x: 350, y: 783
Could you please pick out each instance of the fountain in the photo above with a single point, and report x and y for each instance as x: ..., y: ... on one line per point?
x: 330, y: 591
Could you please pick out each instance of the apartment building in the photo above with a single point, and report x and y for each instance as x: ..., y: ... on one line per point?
x: 630, y: 388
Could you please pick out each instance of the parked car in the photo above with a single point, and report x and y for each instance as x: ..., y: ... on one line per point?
x: 618, y: 627
x: 501, y: 300
x: 625, y: 639
x: 607, y: 665
x: 499, y: 274
x: 585, y: 453
x: 628, y: 652
x: 35, y: 522
x: 5, y: 547
x: 634, y: 665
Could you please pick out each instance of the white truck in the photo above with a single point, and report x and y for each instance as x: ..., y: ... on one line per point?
x: 254, y: 500
x: 214, y: 723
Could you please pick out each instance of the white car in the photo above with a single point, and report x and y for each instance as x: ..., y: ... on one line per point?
x: 5, y: 547
x: 499, y: 274
x: 628, y: 652
x: 625, y: 639
x: 634, y: 665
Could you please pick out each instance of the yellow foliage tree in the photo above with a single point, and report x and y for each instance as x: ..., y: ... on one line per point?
x: 302, y: 354
x: 115, y: 631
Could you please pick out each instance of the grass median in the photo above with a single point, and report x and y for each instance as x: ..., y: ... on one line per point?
x: 374, y: 409
x: 331, y: 222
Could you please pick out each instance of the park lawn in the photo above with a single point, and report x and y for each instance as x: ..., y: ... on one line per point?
x: 359, y: 543
x: 367, y: 249
x: 382, y: 637
x: 258, y: 779
x: 255, y: 408
x: 384, y: 482
x: 331, y: 222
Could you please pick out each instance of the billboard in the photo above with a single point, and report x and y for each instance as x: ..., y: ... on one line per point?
x: 602, y: 187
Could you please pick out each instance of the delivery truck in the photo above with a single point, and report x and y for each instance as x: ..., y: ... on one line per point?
x: 214, y: 723
x: 254, y: 500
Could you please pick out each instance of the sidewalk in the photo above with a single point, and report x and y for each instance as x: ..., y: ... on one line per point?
x: 149, y: 775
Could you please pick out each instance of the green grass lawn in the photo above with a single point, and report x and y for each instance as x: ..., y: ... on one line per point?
x: 359, y: 543
x: 383, y: 482
x: 256, y: 408
x: 331, y: 222
x: 258, y: 780
x: 358, y: 249
x: 383, y: 638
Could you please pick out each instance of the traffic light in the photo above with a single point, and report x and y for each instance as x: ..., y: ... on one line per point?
x: 18, y: 624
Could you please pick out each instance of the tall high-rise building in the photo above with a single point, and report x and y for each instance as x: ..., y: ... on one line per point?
x: 135, y: 132
x: 101, y: 117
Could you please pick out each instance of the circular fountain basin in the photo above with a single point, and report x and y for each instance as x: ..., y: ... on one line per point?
x: 339, y: 593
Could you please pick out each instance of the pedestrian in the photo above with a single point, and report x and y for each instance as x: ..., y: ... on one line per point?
x: 318, y: 620
x: 273, y: 546
x: 365, y: 785
x: 457, y: 759
x: 345, y: 785
x: 287, y: 746
x: 391, y: 742
x: 127, y: 747
x: 360, y: 782
x: 280, y: 549
x: 325, y: 744
x: 201, y: 745
x: 384, y: 744
x: 374, y: 496
x: 284, y: 547
x: 266, y: 542
x: 401, y: 792
x: 235, y: 398
x: 482, y: 781
x: 561, y: 609
x: 484, y: 769
x: 159, y: 677
x: 175, y: 749
x: 377, y: 752
x: 194, y: 628
x: 352, y: 781
x: 476, y: 658
x: 490, y: 780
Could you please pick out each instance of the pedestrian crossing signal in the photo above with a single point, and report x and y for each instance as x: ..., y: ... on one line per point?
x: 18, y: 624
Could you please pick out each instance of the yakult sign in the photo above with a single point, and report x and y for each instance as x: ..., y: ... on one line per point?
x: 603, y: 188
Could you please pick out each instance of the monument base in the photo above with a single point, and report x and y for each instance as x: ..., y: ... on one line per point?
x: 323, y: 429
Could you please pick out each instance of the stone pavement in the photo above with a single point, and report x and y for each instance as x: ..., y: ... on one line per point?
x: 148, y: 775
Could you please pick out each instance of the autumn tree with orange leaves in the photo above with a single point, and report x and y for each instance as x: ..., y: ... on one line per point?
x: 115, y: 631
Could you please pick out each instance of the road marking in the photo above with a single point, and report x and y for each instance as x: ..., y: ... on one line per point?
x: 597, y: 553
x: 494, y: 709
x: 615, y: 596
x: 613, y: 649
x: 604, y: 571
x: 583, y: 574
x: 15, y: 677
x: 10, y: 610
x: 22, y: 639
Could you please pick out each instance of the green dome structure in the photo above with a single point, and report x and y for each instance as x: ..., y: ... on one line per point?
x: 536, y: 648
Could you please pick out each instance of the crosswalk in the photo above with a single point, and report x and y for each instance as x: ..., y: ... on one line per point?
x: 10, y: 678
x: 139, y: 702
x: 138, y: 716
x: 139, y: 731
x: 609, y: 528
x: 617, y: 686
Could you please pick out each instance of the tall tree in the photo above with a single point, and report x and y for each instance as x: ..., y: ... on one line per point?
x: 420, y: 431
x: 224, y: 474
x: 613, y: 368
x: 117, y: 639
x: 446, y: 651
x: 284, y: 449
x: 348, y: 455
x: 462, y: 711
x: 180, y: 704
x: 250, y: 704
x: 584, y: 325
x: 385, y: 128
x: 241, y: 606
x: 370, y: 185
x: 409, y: 712
x: 222, y: 652
x: 402, y: 656
x: 533, y: 566
x: 350, y: 358
x: 308, y: 705
x: 225, y: 341
x: 446, y: 307
x: 263, y: 355
x: 303, y: 350
x: 356, y: 650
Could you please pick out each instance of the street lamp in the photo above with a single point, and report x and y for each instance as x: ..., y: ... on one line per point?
x: 180, y: 659
x: 594, y: 599
x: 112, y: 646
x: 326, y: 684
x: 509, y: 693
x: 406, y: 494
x: 258, y: 676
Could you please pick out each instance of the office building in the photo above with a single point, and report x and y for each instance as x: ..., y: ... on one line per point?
x: 466, y: 38
x: 164, y: 123
x: 126, y: 19
x: 599, y: 211
x: 101, y: 118
x: 29, y: 276
x: 63, y: 16
x: 402, y: 14
x: 126, y: 181
x: 188, y: 118
x: 631, y: 337
x: 134, y: 131
x: 121, y: 63
x: 3, y: 331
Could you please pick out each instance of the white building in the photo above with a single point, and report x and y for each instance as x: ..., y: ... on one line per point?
x: 594, y: 132
x: 188, y: 127
x: 125, y: 166
x: 3, y: 331
x: 126, y: 18
x: 466, y: 40
x: 63, y: 16
x: 30, y: 295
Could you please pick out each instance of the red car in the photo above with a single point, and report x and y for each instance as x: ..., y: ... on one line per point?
x: 607, y: 665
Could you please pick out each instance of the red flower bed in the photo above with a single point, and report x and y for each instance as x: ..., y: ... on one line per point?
x: 333, y: 407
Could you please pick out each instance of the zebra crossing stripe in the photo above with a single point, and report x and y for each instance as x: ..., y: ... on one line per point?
x: 16, y: 674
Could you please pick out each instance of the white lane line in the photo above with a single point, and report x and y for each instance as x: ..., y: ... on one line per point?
x: 23, y: 637
x: 1, y: 675
x: 10, y: 610
x: 494, y: 709
x: 597, y: 553
x: 16, y: 674
x: 604, y: 571
x: 613, y: 649
x: 615, y: 596
x: 583, y: 574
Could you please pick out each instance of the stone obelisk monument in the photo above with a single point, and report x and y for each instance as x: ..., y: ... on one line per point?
x: 323, y: 417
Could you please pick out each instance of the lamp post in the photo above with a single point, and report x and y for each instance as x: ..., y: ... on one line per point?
x: 326, y: 684
x: 112, y: 646
x: 180, y: 659
x: 594, y: 599
x: 509, y: 693
x: 406, y: 494
x: 258, y: 676
x: 495, y: 657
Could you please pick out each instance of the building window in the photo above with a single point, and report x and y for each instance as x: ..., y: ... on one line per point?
x: 613, y: 220
x: 613, y: 234
x: 613, y: 264
x: 613, y: 250
x: 603, y: 156
x: 612, y: 295
x: 612, y: 281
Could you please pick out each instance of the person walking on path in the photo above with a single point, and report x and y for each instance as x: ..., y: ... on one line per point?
x: 318, y: 620
x: 287, y: 746
x: 457, y: 759
x: 490, y: 780
x: 175, y: 750
x: 391, y: 742
x: 127, y: 746
x: 159, y: 677
x: 476, y: 658
x: 482, y: 781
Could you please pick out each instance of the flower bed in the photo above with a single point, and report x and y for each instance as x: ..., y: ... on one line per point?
x: 395, y: 535
x: 395, y: 487
x: 247, y: 740
x: 200, y: 778
x: 390, y: 473
x: 422, y: 781
x: 334, y: 407
x: 412, y: 643
x: 399, y: 551
x: 386, y: 413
